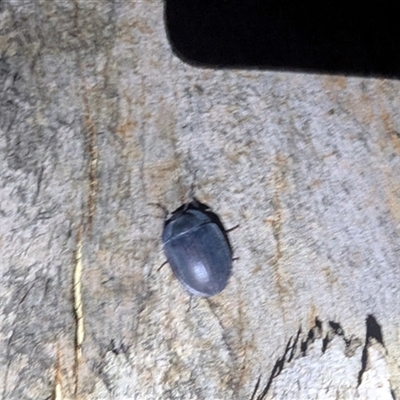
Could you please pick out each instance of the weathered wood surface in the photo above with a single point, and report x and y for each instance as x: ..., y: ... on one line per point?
x: 98, y: 120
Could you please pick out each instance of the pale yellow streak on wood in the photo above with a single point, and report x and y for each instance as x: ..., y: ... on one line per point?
x: 80, y: 332
x: 57, y: 392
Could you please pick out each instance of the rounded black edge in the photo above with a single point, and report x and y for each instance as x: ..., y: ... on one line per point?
x: 281, y: 67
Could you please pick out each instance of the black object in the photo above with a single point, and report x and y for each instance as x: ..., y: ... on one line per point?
x: 197, y: 248
x: 324, y: 36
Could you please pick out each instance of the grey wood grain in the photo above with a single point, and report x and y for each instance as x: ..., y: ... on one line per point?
x: 98, y: 120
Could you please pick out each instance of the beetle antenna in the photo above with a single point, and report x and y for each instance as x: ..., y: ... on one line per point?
x: 193, y: 184
x: 190, y: 303
x: 159, y: 205
x: 195, y: 201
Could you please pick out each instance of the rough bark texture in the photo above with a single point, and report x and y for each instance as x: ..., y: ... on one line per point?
x: 99, y: 120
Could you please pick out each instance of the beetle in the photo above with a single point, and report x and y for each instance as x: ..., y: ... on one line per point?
x: 197, y: 249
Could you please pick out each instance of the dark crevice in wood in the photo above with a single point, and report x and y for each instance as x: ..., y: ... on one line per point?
x: 373, y: 331
x: 277, y: 369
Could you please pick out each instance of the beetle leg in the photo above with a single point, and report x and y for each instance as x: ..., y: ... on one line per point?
x: 164, y: 263
x: 232, y: 229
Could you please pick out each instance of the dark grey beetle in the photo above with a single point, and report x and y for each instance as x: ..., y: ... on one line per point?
x: 197, y: 249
